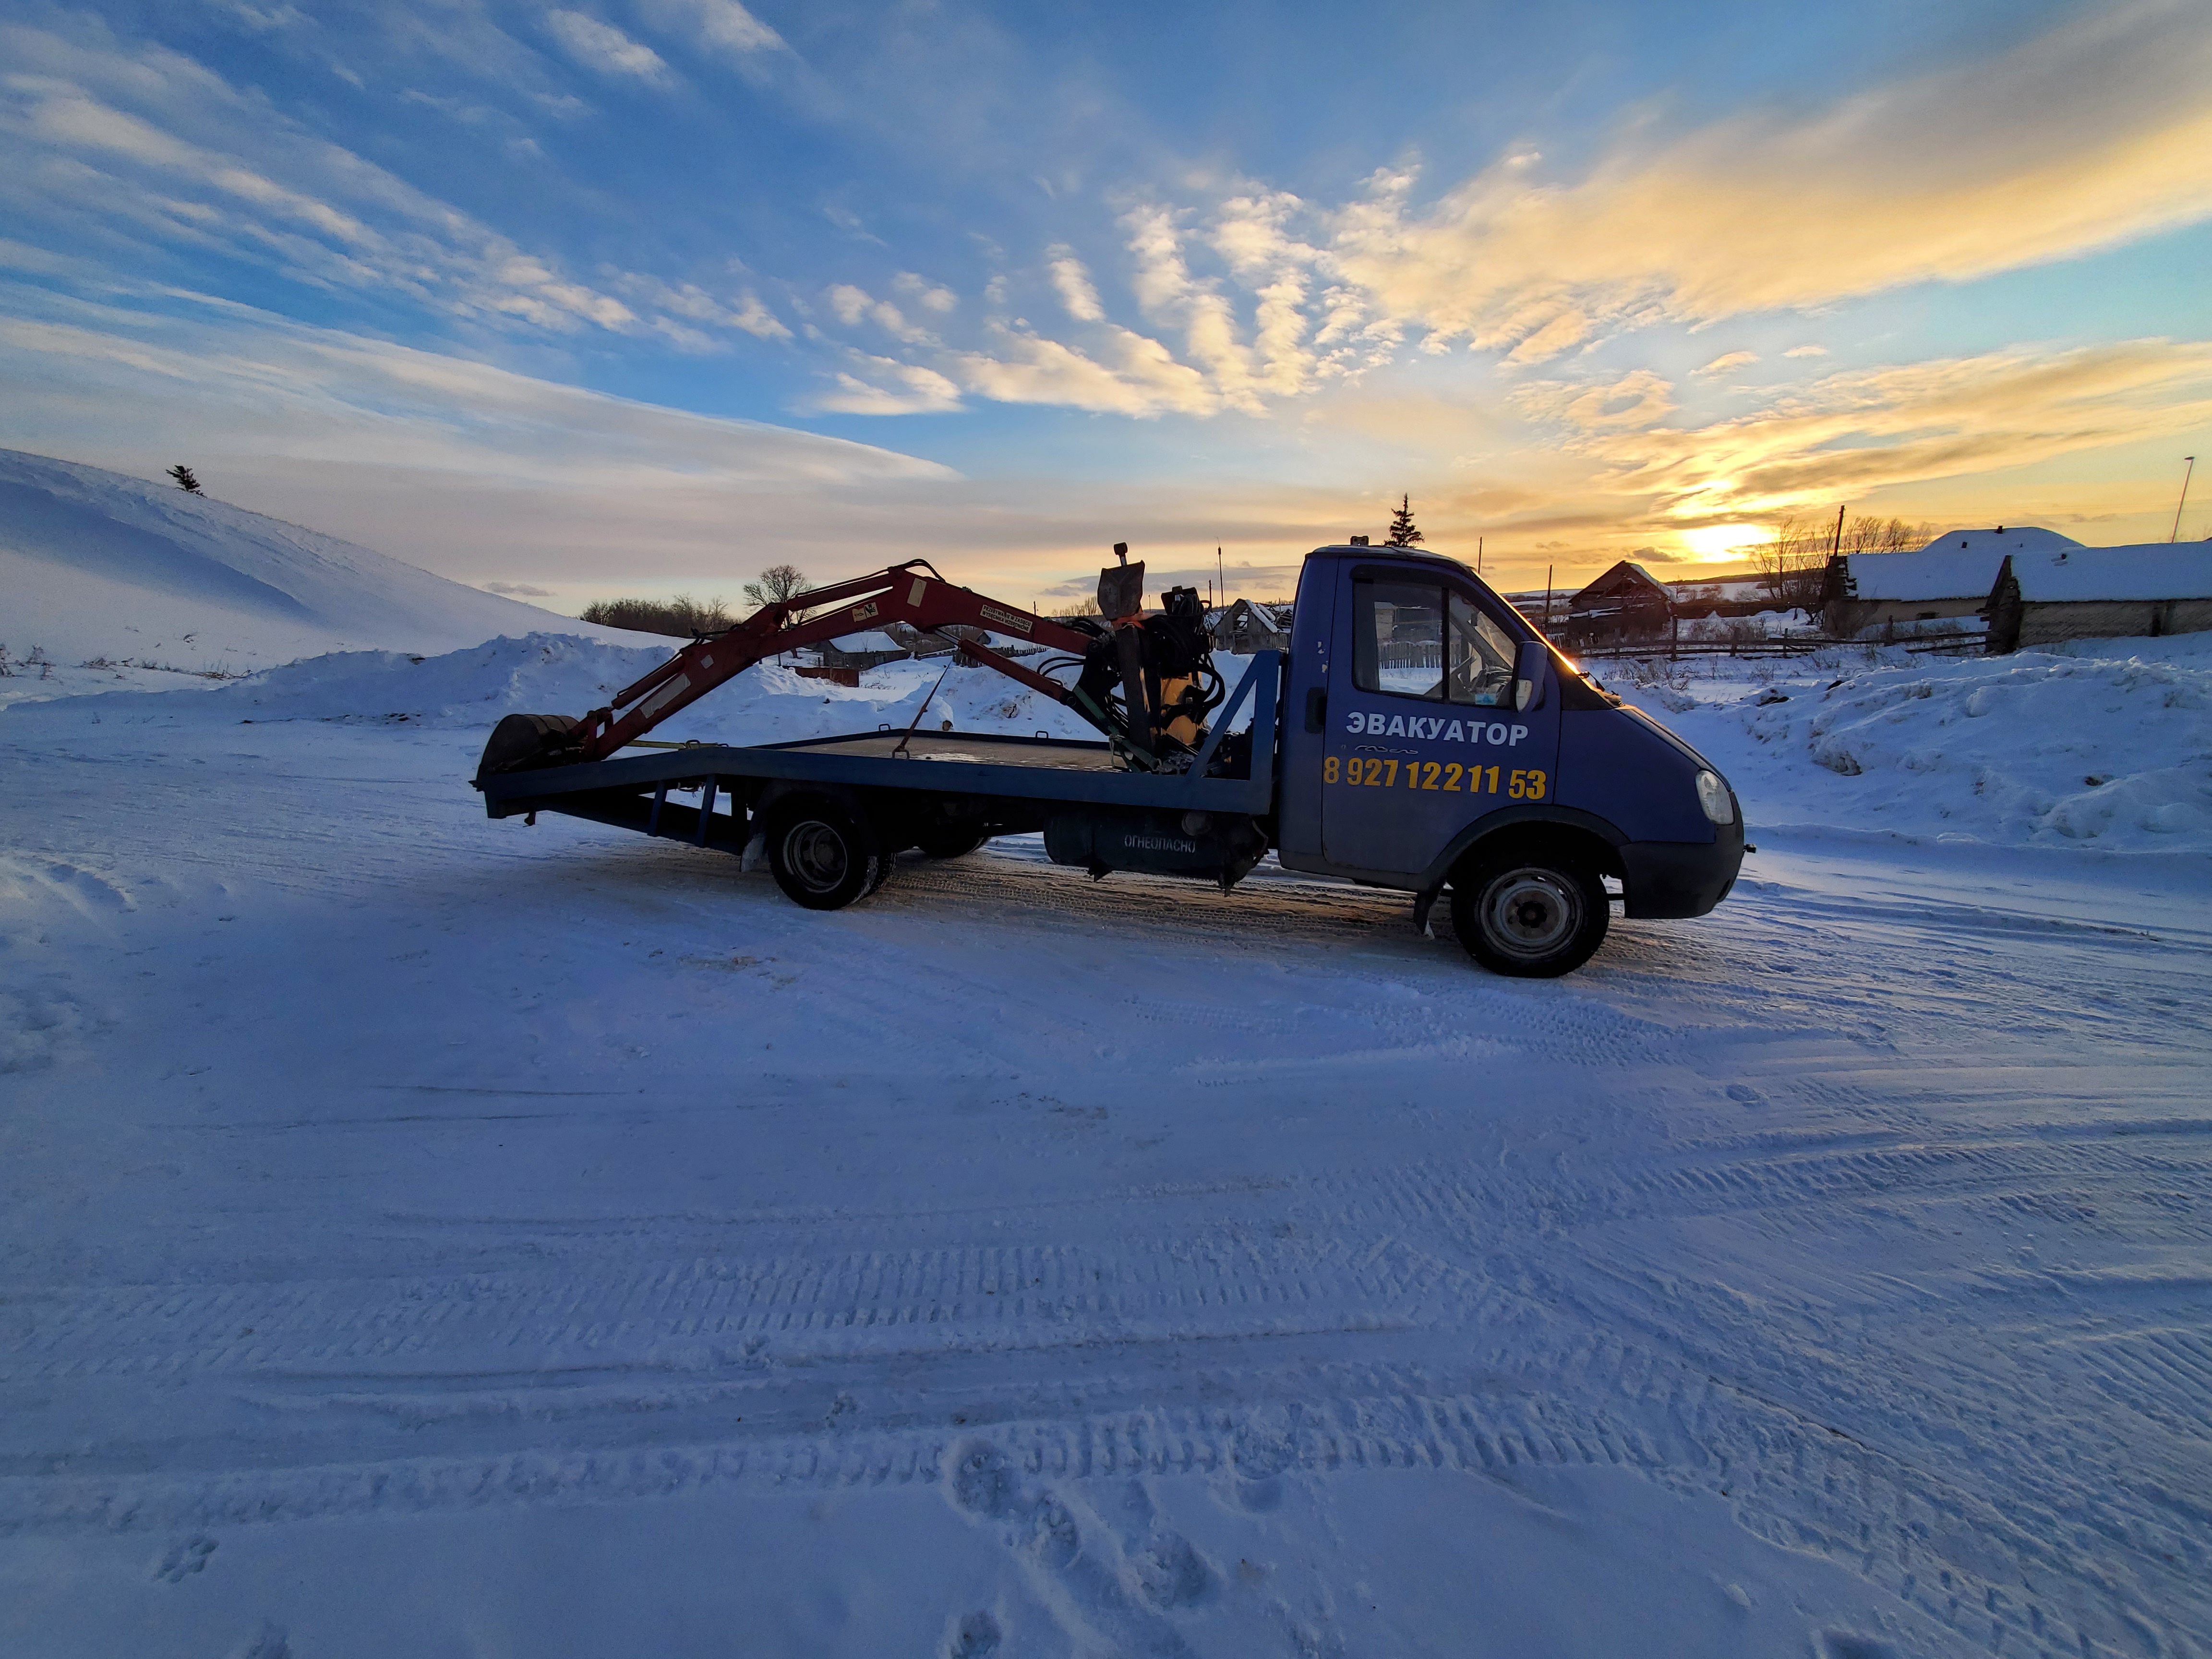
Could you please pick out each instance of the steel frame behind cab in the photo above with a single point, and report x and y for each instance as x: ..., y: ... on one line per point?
x: 631, y: 790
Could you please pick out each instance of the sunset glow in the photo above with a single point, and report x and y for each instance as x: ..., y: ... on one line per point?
x: 1722, y: 542
x: 512, y: 293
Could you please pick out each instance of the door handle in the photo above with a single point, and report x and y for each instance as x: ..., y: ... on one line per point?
x: 1316, y: 709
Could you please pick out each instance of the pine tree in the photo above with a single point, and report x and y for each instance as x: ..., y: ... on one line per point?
x: 186, y: 481
x: 1402, y: 532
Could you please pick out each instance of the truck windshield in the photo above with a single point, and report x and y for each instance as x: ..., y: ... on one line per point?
x: 1420, y: 639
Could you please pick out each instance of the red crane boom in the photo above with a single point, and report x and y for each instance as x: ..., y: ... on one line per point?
x: 912, y: 592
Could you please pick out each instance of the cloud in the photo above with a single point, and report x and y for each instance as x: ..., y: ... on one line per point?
x: 485, y: 475
x: 721, y: 25
x: 1807, y: 351
x: 602, y: 47
x: 291, y: 391
x: 851, y: 305
x: 1727, y: 363
x: 915, y: 390
x: 1167, y: 292
x: 1638, y: 398
x: 1071, y: 281
x: 1028, y: 369
x: 926, y: 294
x: 2094, y: 134
x: 517, y: 590
x: 689, y: 301
x: 1850, y: 435
x: 159, y: 146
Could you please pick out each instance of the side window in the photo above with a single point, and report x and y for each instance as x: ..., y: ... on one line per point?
x: 1398, y: 638
x: 1481, y: 655
x: 1418, y: 640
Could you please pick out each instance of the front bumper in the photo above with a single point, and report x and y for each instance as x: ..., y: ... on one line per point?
x: 1666, y: 880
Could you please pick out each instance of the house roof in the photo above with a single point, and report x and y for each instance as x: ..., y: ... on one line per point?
x: 1625, y: 578
x: 2019, y: 539
x: 2149, y: 570
x: 1959, y: 564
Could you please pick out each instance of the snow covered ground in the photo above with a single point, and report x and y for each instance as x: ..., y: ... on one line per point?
x: 429, y: 1235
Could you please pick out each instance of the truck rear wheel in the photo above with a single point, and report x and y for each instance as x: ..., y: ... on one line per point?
x: 822, y: 855
x: 1529, y: 915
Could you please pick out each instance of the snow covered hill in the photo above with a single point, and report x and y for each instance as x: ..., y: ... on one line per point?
x: 96, y: 566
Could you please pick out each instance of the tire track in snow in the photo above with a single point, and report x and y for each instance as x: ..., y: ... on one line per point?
x: 1546, y: 1389
x: 1797, y: 1484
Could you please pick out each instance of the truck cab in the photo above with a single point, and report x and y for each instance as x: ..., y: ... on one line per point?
x: 1433, y: 740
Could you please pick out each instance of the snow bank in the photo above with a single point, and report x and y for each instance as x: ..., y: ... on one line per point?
x: 551, y: 673
x: 99, y: 567
x: 2102, y: 743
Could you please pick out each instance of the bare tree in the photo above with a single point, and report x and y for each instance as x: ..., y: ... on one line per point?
x: 1867, y: 534
x: 1792, y: 565
x: 777, y: 584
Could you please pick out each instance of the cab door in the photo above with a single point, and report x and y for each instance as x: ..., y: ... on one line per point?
x: 1424, y: 737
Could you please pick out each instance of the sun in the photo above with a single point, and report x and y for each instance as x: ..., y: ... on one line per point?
x: 1716, y: 543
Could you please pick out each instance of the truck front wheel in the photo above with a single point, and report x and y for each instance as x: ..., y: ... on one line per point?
x: 1529, y: 914
x: 822, y: 856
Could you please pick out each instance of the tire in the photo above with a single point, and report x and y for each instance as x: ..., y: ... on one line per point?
x: 822, y: 855
x: 1530, y: 914
x: 951, y: 841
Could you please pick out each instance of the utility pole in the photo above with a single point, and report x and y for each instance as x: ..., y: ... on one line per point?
x: 1547, y: 601
x: 1222, y: 571
x: 1836, y: 549
x: 1478, y: 556
x: 2184, y: 501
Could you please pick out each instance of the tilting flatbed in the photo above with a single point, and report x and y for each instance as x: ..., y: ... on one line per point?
x: 1419, y: 734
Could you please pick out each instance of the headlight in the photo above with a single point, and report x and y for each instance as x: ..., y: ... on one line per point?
x: 1713, y: 795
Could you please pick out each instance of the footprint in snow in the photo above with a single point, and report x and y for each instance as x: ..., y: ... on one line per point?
x: 268, y: 1642
x: 180, y: 1561
x: 974, y: 1637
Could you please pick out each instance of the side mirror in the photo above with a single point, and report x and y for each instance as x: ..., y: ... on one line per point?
x: 1531, y: 674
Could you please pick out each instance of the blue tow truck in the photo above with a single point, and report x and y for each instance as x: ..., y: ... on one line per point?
x: 1419, y: 733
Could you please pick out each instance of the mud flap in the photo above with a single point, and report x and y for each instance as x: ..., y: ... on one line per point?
x: 1424, y: 902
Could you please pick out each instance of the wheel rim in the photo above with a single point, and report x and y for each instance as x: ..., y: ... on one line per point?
x: 1531, y: 913
x: 816, y: 854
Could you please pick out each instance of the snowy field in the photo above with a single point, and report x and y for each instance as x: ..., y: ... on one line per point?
x: 434, y: 1237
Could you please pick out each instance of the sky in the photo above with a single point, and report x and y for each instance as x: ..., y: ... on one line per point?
x: 639, y: 296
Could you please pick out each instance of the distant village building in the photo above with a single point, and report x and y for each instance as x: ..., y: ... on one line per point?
x: 1727, y: 596
x: 2076, y: 593
x: 863, y: 650
x: 1244, y: 628
x: 1625, y: 603
x: 1950, y: 578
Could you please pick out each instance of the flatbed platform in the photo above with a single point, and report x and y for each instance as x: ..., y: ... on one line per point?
x: 973, y: 764
x: 974, y: 748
